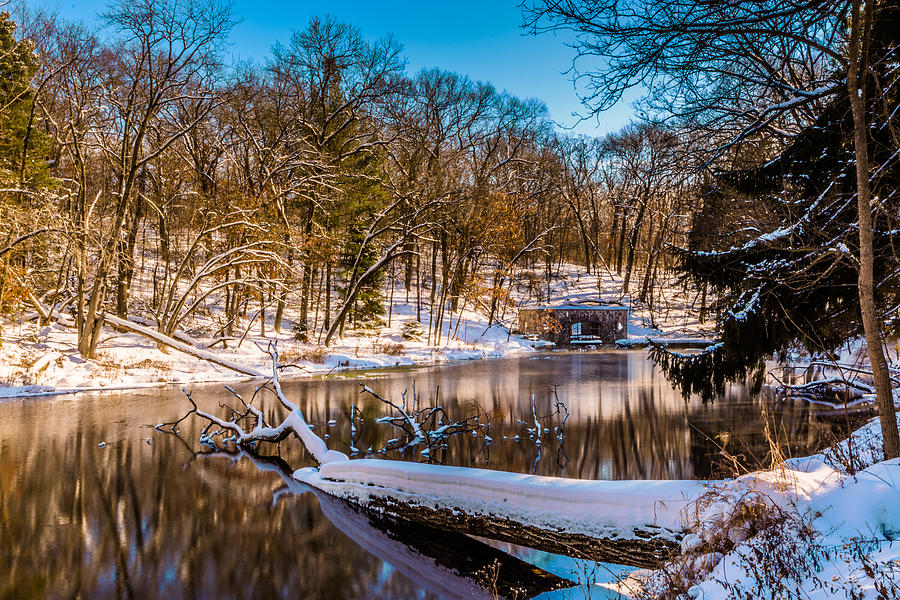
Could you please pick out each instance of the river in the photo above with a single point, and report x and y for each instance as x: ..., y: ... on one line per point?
x: 96, y: 503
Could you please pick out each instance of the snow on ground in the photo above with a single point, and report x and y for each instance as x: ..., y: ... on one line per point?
x: 37, y: 360
x: 806, y: 529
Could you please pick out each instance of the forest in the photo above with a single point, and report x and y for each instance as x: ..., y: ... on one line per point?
x: 330, y: 198
x: 145, y: 178
x: 309, y: 181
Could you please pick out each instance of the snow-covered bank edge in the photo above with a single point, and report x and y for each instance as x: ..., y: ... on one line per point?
x: 807, y: 528
x: 37, y: 361
x: 334, y: 363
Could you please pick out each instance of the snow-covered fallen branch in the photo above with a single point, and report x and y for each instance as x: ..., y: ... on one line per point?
x: 160, y: 338
x: 829, y: 382
x: 250, y: 437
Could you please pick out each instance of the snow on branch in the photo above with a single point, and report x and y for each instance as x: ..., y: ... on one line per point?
x: 181, y: 346
x: 247, y: 429
x: 429, y: 426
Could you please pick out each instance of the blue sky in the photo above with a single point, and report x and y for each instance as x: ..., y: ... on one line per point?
x: 480, y: 39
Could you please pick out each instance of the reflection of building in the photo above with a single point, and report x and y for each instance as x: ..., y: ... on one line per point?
x: 582, y: 323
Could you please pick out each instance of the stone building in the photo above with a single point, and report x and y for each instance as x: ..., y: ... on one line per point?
x: 585, y: 323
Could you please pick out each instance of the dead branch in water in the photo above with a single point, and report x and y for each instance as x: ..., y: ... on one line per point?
x: 248, y: 428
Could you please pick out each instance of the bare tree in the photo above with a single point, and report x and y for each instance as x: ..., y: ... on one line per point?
x: 164, y: 49
x: 339, y: 80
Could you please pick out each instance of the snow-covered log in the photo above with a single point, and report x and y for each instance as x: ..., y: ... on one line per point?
x: 158, y: 337
x: 638, y: 523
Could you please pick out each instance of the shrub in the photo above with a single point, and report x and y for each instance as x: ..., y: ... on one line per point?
x: 392, y: 349
x: 412, y: 331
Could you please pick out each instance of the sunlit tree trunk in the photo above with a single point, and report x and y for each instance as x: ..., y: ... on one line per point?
x: 860, y: 27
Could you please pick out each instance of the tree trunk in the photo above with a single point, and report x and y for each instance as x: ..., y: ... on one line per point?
x: 859, y: 33
x: 418, y: 288
x: 391, y: 299
x: 303, y: 324
x: 611, y: 242
x: 620, y: 250
x: 431, y: 297
x: 279, y: 311
x: 327, y: 295
x: 126, y: 261
x: 632, y: 246
x: 262, y: 313
x: 647, y: 549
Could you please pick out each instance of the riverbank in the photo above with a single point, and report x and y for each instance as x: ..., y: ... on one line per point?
x: 818, y: 527
x: 42, y: 360
x: 37, y: 361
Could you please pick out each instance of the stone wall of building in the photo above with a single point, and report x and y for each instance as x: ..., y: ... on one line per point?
x: 601, y: 325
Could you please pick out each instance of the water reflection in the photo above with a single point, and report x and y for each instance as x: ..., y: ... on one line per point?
x: 449, y: 564
x: 141, y: 517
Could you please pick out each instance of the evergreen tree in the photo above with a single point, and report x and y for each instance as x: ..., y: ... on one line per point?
x: 362, y: 196
x: 23, y: 165
x: 779, y: 242
x: 23, y: 149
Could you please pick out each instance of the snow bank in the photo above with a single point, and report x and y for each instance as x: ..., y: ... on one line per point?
x: 807, y: 529
x: 862, y: 449
x: 38, y: 360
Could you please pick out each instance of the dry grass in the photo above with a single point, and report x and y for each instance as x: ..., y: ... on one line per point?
x: 149, y: 363
x: 18, y: 377
x: 767, y: 541
x: 392, y: 349
x: 779, y: 550
x: 295, y: 354
x: 386, y: 347
x: 108, y: 365
x: 19, y: 372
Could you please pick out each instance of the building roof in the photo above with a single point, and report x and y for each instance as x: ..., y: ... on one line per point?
x: 580, y: 305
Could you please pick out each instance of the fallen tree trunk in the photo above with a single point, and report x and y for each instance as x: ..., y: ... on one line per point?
x: 152, y: 334
x: 646, y: 551
x: 635, y: 523
x: 160, y: 338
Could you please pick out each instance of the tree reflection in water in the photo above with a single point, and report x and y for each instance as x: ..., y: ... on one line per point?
x: 139, y: 519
